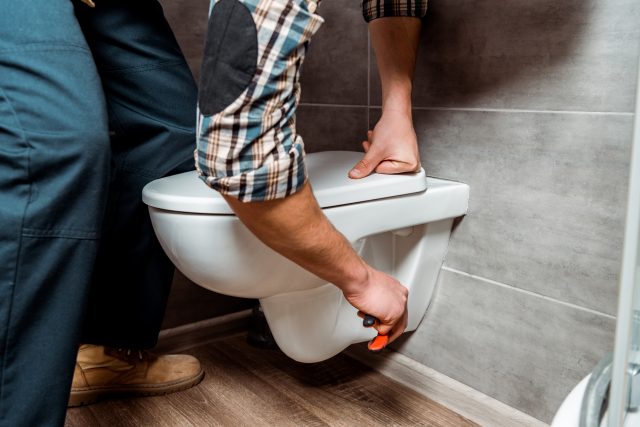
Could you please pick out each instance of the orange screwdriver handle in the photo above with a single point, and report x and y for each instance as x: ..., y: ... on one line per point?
x: 378, y: 343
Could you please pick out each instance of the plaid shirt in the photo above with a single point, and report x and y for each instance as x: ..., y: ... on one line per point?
x: 372, y: 9
x: 250, y: 150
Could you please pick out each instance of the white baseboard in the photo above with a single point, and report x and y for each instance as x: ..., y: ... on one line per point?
x: 199, y: 333
x: 458, y: 397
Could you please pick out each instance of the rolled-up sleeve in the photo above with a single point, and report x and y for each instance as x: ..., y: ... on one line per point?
x: 247, y: 144
x: 373, y: 9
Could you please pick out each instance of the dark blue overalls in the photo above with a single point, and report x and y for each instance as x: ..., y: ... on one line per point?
x: 94, y: 103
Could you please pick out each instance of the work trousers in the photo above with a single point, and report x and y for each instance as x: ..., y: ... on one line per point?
x: 94, y: 104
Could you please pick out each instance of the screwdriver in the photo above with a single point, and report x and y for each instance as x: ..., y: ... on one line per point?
x: 377, y: 344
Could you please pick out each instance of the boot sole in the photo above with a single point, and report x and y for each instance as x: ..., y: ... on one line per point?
x: 89, y: 395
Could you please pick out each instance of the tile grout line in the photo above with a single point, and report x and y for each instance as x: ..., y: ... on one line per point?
x: 368, y: 79
x: 479, y: 110
x: 520, y: 110
x: 316, y: 104
x: 530, y: 293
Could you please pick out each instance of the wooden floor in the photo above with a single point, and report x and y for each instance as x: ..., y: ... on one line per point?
x: 244, y: 386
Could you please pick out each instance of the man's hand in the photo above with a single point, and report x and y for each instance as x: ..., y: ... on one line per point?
x: 392, y: 147
x: 384, y: 298
x: 90, y: 3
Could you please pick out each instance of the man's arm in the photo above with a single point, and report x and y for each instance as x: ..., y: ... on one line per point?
x: 392, y: 146
x: 260, y: 169
x: 296, y: 228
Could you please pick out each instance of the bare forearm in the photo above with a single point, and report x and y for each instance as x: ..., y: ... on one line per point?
x: 395, y: 42
x: 392, y: 146
x: 296, y: 228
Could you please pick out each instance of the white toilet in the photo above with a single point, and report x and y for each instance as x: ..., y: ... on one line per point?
x: 399, y: 224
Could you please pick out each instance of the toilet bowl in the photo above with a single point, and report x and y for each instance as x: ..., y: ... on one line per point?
x: 399, y: 224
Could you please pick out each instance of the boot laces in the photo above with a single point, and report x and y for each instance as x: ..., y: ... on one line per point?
x: 129, y: 351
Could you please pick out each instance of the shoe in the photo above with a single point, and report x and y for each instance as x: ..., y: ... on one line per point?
x: 103, y: 372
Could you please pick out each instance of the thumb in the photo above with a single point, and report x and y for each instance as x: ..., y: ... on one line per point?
x: 365, y: 166
x: 394, y: 166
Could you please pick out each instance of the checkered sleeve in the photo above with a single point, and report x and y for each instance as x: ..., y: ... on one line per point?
x: 247, y: 145
x: 372, y: 9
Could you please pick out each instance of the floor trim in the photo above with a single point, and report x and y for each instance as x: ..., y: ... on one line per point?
x: 195, y: 334
x: 458, y: 397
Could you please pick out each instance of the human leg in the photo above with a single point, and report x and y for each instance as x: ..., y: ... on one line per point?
x: 54, y: 158
x: 151, y: 100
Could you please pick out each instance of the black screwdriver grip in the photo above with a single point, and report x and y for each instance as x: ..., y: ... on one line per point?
x: 368, y: 321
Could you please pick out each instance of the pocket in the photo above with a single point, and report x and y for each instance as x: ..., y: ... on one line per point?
x: 11, y: 129
x: 230, y: 56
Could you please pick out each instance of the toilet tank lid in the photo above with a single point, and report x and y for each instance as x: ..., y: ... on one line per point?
x: 327, y: 170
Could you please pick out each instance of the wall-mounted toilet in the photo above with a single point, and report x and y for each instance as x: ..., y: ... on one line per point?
x: 399, y: 224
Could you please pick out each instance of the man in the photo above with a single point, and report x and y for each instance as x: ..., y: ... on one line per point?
x: 249, y: 151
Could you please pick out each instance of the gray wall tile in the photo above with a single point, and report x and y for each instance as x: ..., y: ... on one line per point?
x: 335, y: 69
x: 336, y: 66
x: 516, y: 347
x: 548, y: 193
x: 326, y: 128
x: 541, y: 55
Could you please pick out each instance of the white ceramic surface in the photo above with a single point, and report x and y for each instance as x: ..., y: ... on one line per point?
x: 568, y: 414
x: 309, y: 318
x: 327, y: 171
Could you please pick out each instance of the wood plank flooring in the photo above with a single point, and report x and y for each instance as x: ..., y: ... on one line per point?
x: 244, y: 386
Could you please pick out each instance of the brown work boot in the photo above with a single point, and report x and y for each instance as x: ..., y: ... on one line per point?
x: 103, y: 372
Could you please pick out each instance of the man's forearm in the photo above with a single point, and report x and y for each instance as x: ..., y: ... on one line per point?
x: 296, y: 228
x: 392, y: 146
x: 395, y: 42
